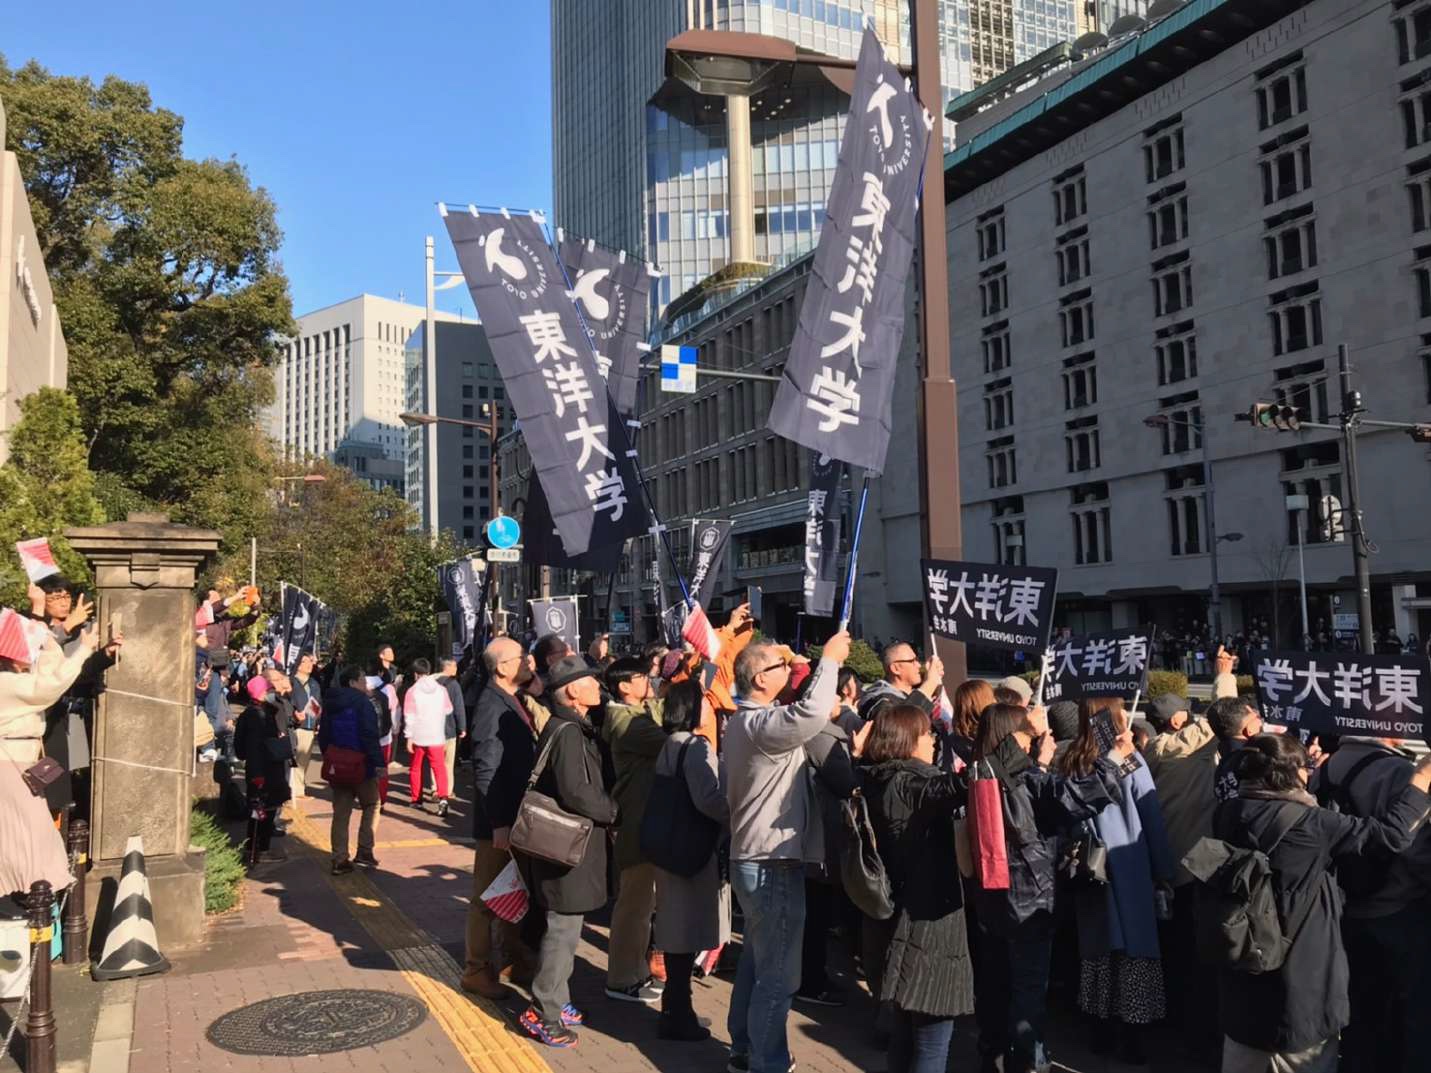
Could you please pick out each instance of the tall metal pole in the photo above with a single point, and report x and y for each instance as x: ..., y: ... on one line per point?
x: 1214, y: 603
x: 429, y: 403
x: 1302, y: 576
x: 253, y: 560
x: 1352, y: 410
x: 939, y: 400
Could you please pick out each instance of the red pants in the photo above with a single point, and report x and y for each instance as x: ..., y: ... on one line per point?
x: 433, y: 754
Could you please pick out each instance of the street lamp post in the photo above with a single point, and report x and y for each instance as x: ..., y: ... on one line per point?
x: 1299, y: 504
x: 429, y: 356
x: 306, y: 479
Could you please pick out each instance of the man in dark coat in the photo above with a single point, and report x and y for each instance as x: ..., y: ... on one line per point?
x: 504, y: 748
x: 572, y: 776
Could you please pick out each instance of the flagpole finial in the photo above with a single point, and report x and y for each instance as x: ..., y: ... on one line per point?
x: 442, y: 209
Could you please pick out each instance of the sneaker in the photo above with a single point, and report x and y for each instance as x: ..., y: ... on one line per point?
x: 367, y: 860
x: 571, y: 1016
x: 343, y: 868
x: 550, y: 1035
x: 657, y: 964
x: 820, y: 998
x: 642, y: 992
x: 442, y: 806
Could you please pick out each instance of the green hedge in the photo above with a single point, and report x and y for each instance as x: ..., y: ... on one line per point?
x: 864, y: 660
x: 1159, y: 682
x: 223, y: 862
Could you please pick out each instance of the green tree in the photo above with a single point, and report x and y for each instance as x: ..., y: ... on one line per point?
x: 355, y: 549
x: 166, y: 276
x: 45, y: 487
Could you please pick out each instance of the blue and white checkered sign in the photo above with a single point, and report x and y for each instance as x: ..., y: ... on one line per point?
x: 678, y: 369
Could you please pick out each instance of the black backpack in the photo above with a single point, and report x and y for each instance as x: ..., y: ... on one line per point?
x: 1365, y: 874
x: 675, y: 835
x: 1235, y: 915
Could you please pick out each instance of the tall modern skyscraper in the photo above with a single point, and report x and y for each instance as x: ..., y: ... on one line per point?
x: 642, y: 161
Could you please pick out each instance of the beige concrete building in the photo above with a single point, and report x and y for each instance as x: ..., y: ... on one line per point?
x: 32, y: 345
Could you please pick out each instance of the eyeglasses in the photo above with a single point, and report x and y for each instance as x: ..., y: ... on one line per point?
x: 897, y: 662
x: 781, y: 666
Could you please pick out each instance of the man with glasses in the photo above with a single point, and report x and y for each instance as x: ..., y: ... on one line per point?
x: 504, y: 739
x: 905, y: 681
x: 633, y: 733
x: 775, y: 830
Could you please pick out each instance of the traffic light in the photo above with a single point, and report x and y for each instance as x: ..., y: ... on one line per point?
x: 1274, y: 416
x: 1420, y: 433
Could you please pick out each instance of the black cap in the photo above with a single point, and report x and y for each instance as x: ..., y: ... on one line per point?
x: 567, y: 670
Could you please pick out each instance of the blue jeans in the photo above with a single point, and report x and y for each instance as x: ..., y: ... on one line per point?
x: 919, y: 1043
x: 772, y: 897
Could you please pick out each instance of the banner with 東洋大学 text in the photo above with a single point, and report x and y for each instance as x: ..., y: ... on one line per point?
x: 836, y: 388
x: 992, y: 604
x: 577, y: 439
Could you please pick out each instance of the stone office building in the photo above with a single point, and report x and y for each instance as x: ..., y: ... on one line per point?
x: 1174, y: 228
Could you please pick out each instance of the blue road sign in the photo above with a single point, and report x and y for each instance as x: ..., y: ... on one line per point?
x: 504, y: 531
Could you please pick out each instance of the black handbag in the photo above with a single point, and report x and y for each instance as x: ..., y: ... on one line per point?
x: 861, y: 870
x: 1085, y: 859
x: 676, y: 836
x: 543, y: 829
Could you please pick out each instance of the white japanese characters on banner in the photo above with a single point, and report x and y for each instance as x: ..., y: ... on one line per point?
x: 576, y: 437
x: 822, y: 535
x: 709, y: 541
x: 1113, y: 664
x: 835, y: 394
x: 1344, y: 692
x: 989, y: 604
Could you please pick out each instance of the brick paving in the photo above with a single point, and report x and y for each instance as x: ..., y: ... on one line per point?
x: 400, y: 929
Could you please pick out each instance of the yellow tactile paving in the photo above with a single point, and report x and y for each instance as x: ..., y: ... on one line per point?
x: 476, y: 1028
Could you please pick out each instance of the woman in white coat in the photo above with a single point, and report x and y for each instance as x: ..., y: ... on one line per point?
x: 692, y: 914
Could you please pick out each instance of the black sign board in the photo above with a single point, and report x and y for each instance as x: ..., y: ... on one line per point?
x: 1113, y: 664
x: 999, y: 606
x: 1344, y: 692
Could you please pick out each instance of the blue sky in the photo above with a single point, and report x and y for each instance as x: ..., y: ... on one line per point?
x: 356, y: 117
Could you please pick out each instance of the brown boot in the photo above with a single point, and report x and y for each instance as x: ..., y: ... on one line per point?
x: 484, y: 982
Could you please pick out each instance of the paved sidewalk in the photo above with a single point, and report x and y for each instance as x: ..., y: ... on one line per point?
x: 400, y: 929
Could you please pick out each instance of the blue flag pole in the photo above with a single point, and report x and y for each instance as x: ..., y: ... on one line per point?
x: 854, y: 556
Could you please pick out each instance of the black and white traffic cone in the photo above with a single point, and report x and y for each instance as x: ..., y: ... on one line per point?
x: 132, y: 947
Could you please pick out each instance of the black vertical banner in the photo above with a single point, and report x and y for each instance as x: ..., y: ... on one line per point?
x: 822, y: 535
x: 836, y: 389
x: 576, y: 436
x: 462, y: 582
x: 710, y: 540
x: 613, y: 291
x: 300, y: 626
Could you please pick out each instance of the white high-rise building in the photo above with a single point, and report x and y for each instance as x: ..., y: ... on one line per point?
x: 340, y: 381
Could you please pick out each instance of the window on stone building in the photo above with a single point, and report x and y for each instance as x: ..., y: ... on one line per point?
x: 1168, y: 221
x: 1413, y: 34
x: 1080, y: 381
x: 1070, y: 196
x: 990, y: 228
x: 998, y: 405
x: 1187, y: 533
x: 995, y: 344
x: 1092, y: 524
x: 1081, y: 444
x: 1008, y: 524
x: 1304, y: 386
x: 994, y: 292
x: 1296, y: 318
x: 1281, y: 91
x: 1072, y: 256
x: 1003, y: 469
x: 1286, y: 166
x: 1183, y: 429
x: 1172, y: 285
x: 1075, y: 317
x: 1176, y: 353
x: 1291, y: 244
x: 1163, y: 150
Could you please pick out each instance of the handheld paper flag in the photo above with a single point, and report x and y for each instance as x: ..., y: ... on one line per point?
x: 36, y: 557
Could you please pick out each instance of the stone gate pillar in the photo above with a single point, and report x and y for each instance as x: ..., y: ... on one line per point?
x: 144, y: 570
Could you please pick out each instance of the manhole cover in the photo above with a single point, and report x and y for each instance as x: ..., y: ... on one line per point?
x: 316, y: 1022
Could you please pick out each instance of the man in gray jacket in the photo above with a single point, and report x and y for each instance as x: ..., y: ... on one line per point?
x: 775, y: 828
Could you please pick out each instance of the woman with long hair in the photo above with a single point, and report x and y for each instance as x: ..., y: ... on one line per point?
x: 1289, y: 1019
x: 1016, y: 925
x: 956, y: 742
x: 692, y: 914
x: 1121, y: 969
x: 926, y: 973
